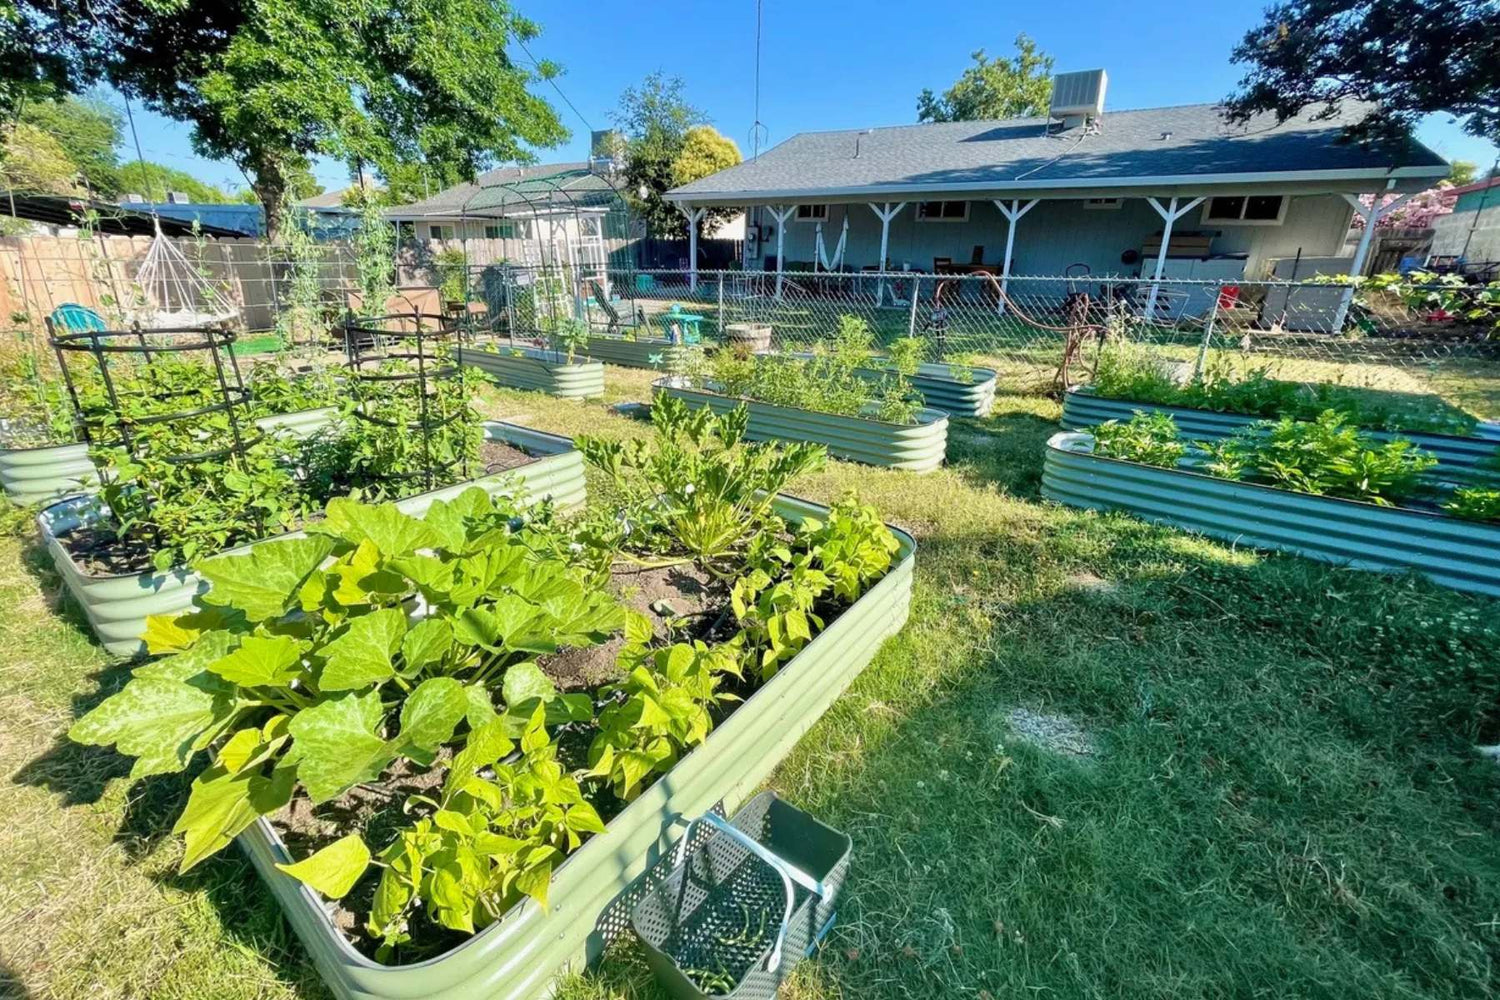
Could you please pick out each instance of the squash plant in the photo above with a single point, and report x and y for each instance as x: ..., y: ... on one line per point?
x: 315, y: 663
x: 695, y: 491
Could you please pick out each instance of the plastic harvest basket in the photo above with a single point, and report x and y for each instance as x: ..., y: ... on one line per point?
x: 744, y: 903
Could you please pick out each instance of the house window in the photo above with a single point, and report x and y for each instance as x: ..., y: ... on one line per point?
x: 942, y: 211
x: 500, y: 231
x: 588, y: 226
x: 1101, y: 203
x: 1246, y: 210
x: 406, y: 233
x: 812, y: 213
x: 436, y: 232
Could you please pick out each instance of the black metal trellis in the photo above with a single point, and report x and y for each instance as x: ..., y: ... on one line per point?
x: 418, y: 339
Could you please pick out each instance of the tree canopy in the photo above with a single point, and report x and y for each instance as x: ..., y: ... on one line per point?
x: 655, y: 119
x: 704, y: 152
x: 1018, y: 87
x: 268, y: 84
x: 34, y: 162
x: 89, y: 130
x: 155, y: 181
x: 1406, y: 58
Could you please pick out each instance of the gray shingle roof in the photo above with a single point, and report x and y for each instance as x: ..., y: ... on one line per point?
x: 1020, y: 153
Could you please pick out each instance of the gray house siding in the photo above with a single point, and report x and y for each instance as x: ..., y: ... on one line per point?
x: 1057, y: 233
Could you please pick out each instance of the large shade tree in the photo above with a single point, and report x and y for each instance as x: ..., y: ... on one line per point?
x: 268, y: 83
x: 1405, y: 58
x: 1018, y: 87
x: 655, y: 119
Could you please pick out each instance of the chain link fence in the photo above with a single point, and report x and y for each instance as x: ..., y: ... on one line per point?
x: 1303, y: 331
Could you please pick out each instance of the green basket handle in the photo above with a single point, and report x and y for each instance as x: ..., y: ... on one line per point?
x: 789, y: 873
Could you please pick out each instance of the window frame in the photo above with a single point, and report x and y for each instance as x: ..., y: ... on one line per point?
x: 500, y: 230
x: 1211, y: 220
x: 942, y: 218
x: 1103, y: 204
x: 442, y: 231
x: 797, y: 215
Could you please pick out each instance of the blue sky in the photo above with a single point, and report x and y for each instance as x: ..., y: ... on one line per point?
x: 847, y: 65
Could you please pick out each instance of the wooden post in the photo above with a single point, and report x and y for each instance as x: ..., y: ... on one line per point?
x: 1371, y: 214
x: 1170, y: 214
x: 886, y: 214
x: 694, y: 216
x: 781, y: 214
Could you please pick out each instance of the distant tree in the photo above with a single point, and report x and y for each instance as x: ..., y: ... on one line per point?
x: 407, y: 181
x: 34, y: 162
x: 1019, y: 87
x: 270, y: 83
x: 1461, y: 172
x: 655, y: 119
x: 154, y: 181
x: 89, y: 129
x: 704, y: 152
x: 1407, y: 58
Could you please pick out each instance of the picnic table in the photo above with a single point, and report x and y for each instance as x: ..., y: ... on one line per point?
x: 685, y: 323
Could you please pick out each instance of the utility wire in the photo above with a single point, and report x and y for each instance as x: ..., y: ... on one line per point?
x: 553, y: 81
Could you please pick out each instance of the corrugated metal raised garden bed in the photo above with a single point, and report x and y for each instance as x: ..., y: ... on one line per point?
x: 1083, y: 408
x: 916, y: 447
x: 536, y: 369
x: 1456, y: 553
x: 652, y: 352
x: 117, y: 606
x: 518, y: 956
x: 959, y: 390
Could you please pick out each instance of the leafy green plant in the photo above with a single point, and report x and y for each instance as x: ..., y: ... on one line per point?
x: 1148, y: 438
x: 660, y: 710
x: 1324, y: 457
x: 570, y: 337
x: 36, y: 409
x: 774, y: 600
x: 303, y: 667
x: 277, y: 391
x: 452, y: 264
x: 1475, y: 503
x: 695, y: 491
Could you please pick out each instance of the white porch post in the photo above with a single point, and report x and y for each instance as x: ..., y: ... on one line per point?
x: 1170, y: 214
x: 886, y: 214
x: 694, y: 216
x: 781, y: 213
x: 1012, y: 210
x: 1372, y: 214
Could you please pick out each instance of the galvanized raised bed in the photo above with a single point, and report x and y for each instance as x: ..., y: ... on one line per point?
x: 943, y: 389
x: 33, y: 475
x: 1464, y: 555
x: 117, y: 606
x: 636, y: 353
x: 533, y: 368
x: 591, y: 895
x: 918, y: 447
x: 1083, y: 408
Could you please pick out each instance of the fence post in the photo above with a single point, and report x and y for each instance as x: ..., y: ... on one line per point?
x: 510, y: 306
x: 1208, y: 332
x: 719, y: 315
x: 911, y: 316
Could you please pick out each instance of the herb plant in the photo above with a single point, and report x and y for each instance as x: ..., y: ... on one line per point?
x: 1148, y: 438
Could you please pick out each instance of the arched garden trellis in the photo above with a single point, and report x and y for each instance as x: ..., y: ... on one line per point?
x: 571, y: 216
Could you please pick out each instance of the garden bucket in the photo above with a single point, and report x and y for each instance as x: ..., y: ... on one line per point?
x: 746, y: 900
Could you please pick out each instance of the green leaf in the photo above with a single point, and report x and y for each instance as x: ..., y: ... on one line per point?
x: 263, y: 582
x: 535, y: 881
x: 338, y: 744
x: 335, y: 869
x: 261, y: 661
x: 361, y: 655
x: 524, y: 682
x: 427, y: 642
x: 393, y: 532
x: 431, y: 713
x: 221, y: 805
x: 160, y: 714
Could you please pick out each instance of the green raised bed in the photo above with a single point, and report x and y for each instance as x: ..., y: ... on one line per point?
x: 532, y: 368
x: 635, y: 353
x: 942, y: 389
x: 1464, y: 555
x: 1083, y: 408
x: 592, y: 892
x: 35, y: 475
x: 117, y: 606
x: 918, y: 447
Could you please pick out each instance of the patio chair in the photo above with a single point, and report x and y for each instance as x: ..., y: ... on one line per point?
x: 611, y: 314
x: 74, y: 318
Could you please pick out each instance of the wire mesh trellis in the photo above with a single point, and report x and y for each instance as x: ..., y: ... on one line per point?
x: 1289, y: 328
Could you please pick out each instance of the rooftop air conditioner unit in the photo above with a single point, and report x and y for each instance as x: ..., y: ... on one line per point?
x: 1079, y: 95
x: 135, y: 199
x: 178, y: 198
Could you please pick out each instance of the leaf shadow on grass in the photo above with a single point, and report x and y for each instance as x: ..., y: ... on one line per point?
x: 38, y: 563
x: 1004, y: 450
x: 11, y: 985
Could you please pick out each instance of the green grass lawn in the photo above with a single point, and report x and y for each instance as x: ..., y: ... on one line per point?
x: 1262, y: 780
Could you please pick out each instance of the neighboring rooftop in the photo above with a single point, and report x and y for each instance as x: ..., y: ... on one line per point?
x: 515, y: 191
x: 1188, y: 144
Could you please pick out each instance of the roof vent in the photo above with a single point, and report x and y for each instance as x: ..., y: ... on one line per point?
x: 178, y: 198
x: 1076, y: 97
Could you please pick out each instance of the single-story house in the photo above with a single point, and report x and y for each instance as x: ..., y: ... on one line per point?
x: 1157, y: 193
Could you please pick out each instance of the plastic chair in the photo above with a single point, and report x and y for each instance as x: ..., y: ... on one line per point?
x: 74, y: 318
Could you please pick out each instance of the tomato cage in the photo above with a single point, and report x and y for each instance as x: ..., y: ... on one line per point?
x: 148, y: 392
x: 410, y: 390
